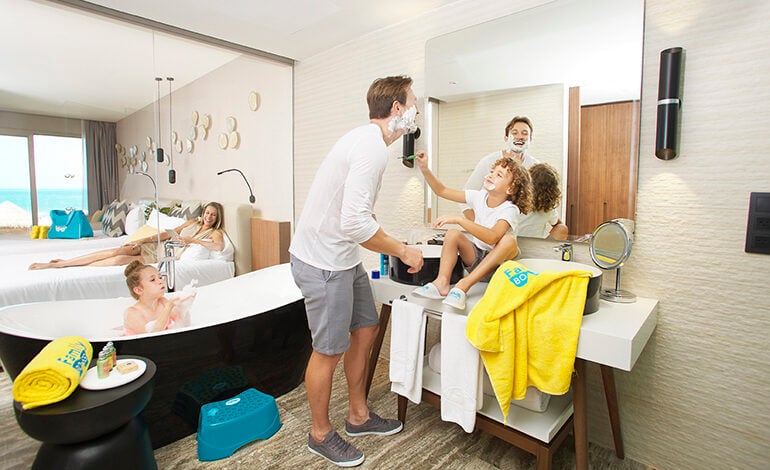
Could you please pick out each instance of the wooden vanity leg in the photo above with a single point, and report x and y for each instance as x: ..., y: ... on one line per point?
x: 579, y: 412
x: 402, y: 401
x: 610, y: 394
x: 374, y: 355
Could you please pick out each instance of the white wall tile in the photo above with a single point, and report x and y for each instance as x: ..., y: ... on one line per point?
x: 698, y: 396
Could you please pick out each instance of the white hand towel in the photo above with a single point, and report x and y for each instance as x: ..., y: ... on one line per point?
x: 407, y: 343
x: 461, y: 387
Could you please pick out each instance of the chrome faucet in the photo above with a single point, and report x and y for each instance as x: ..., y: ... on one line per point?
x: 566, y: 251
x: 167, y: 266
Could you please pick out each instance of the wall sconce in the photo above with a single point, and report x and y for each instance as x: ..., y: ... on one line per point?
x: 408, y: 151
x: 670, y: 86
x: 252, y: 199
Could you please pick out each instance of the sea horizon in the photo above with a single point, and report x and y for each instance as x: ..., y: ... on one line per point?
x: 19, y: 214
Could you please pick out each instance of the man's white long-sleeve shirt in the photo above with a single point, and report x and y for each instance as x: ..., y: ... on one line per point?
x: 338, y: 212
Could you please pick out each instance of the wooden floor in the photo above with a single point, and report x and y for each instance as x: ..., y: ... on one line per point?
x: 426, y: 442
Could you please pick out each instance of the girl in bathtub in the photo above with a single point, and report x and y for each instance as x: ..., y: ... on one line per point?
x: 152, y: 311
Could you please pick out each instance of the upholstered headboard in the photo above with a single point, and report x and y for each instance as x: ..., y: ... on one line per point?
x: 238, y: 228
x: 237, y: 225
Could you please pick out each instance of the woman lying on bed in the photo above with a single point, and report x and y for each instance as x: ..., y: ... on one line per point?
x: 207, y: 231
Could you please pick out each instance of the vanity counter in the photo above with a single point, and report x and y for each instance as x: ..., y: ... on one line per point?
x: 612, y: 337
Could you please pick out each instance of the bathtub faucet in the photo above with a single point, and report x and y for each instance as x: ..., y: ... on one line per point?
x: 167, y: 266
x: 566, y: 251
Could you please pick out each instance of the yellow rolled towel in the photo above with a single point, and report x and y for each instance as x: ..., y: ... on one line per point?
x: 34, y: 232
x: 54, y: 373
x: 44, y: 231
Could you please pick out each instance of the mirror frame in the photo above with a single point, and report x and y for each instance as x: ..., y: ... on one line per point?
x: 449, y: 74
x: 621, y: 231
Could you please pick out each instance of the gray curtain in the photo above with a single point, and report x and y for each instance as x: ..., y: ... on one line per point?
x: 101, y: 163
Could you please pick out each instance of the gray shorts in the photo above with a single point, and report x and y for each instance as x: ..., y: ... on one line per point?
x: 480, y: 255
x: 337, y: 302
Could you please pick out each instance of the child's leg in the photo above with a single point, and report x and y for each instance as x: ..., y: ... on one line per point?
x: 454, y: 242
x: 507, y: 248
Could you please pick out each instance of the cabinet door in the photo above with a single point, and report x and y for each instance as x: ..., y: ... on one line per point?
x: 607, y: 169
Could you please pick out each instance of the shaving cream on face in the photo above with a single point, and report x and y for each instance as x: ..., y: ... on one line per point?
x: 406, y: 122
x: 512, y: 146
x: 489, y: 186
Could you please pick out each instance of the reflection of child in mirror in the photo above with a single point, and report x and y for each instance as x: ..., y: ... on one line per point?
x: 507, y: 192
x: 543, y: 221
x: 152, y: 311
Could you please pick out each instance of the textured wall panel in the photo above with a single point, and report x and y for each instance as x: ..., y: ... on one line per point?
x: 698, y: 397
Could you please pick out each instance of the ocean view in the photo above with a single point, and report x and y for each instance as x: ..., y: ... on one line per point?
x: 16, y: 205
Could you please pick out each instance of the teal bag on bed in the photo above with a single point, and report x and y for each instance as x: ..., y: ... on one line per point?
x: 69, y: 224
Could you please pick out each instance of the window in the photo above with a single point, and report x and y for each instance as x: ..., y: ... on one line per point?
x: 58, y: 181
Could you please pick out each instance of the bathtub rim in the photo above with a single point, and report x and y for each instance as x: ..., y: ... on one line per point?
x: 281, y: 269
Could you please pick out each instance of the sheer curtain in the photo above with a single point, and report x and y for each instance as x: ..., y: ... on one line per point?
x: 101, y: 163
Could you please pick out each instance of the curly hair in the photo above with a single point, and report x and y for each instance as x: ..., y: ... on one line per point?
x: 521, y: 184
x: 546, y: 185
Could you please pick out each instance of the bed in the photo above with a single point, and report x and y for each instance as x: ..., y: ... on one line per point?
x: 19, y: 285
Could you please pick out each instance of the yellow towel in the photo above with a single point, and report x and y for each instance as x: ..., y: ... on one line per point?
x: 43, y: 231
x: 526, y: 327
x: 34, y: 232
x: 54, y: 373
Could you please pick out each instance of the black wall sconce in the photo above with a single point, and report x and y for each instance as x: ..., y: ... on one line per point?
x: 670, y: 87
x: 252, y: 199
x: 407, y: 157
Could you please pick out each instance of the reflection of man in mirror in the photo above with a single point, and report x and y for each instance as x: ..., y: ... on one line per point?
x: 517, y: 139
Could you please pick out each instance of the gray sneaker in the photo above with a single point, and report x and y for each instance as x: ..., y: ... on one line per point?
x: 374, y: 425
x: 336, y: 450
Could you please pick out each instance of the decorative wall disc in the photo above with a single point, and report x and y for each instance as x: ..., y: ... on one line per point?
x: 254, y: 100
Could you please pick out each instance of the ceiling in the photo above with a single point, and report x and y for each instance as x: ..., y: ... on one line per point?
x: 60, y: 60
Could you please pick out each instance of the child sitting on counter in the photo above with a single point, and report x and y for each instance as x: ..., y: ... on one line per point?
x: 506, y: 193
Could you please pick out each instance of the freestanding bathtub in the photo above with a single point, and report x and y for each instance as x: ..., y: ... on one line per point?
x: 248, y: 331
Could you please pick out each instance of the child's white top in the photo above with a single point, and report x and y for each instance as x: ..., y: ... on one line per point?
x: 488, y: 216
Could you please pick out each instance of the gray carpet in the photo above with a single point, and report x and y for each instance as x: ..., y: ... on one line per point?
x: 426, y: 442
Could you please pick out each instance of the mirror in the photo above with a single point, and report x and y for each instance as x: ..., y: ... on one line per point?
x: 610, y: 247
x: 574, y: 68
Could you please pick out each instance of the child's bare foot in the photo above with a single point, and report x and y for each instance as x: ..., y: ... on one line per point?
x: 36, y: 266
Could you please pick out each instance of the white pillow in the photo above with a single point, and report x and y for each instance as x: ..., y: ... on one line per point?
x: 166, y: 222
x: 135, y: 219
x: 227, y: 252
x: 195, y: 252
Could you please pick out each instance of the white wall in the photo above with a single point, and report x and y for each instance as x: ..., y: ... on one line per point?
x: 264, y: 153
x: 698, y: 397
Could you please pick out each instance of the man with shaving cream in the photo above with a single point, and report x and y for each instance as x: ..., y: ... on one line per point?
x: 517, y: 139
x: 338, y: 217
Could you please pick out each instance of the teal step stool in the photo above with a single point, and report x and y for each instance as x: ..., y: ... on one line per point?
x: 226, y: 426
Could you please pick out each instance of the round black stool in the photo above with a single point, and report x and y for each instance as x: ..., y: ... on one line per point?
x: 94, y: 428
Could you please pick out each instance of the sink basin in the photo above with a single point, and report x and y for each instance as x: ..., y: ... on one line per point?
x: 594, y: 284
x: 431, y: 255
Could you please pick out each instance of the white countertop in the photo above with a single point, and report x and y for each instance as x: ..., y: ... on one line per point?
x: 615, y: 335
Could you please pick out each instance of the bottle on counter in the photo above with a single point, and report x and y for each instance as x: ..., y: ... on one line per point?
x: 384, y: 264
x: 103, y: 365
x: 113, y: 354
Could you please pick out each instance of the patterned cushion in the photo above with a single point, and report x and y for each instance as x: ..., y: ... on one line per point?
x: 187, y: 211
x: 114, y: 218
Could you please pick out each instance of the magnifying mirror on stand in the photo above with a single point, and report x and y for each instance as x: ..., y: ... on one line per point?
x: 610, y: 248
